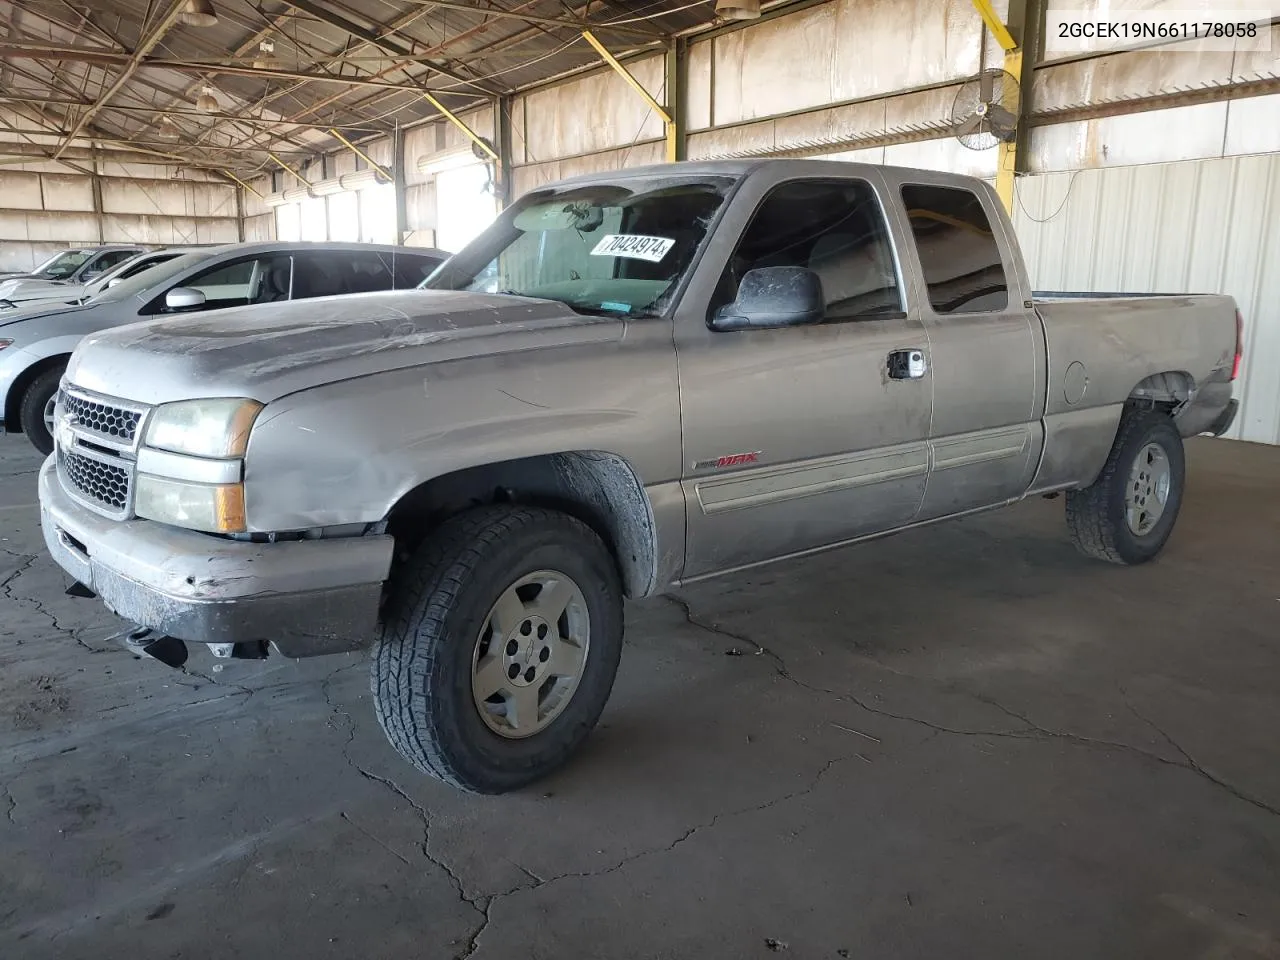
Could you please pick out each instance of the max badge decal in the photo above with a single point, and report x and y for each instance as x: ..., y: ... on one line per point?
x: 730, y: 460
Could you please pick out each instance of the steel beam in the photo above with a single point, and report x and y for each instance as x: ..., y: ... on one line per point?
x: 30, y: 51
x: 461, y: 125
x: 575, y: 25
x: 289, y: 170
x: 147, y: 44
x: 1007, y: 162
x: 672, y: 133
x: 377, y: 167
x: 382, y: 42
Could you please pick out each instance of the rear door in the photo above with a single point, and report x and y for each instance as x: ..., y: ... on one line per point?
x: 988, y: 376
x: 798, y: 438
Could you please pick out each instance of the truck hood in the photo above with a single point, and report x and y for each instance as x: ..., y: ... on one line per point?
x: 269, y: 351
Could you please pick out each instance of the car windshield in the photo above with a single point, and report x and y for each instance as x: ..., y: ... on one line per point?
x: 148, y: 279
x: 612, y: 249
x: 62, y: 266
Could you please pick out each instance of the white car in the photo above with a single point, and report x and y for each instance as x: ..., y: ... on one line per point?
x: 64, y: 275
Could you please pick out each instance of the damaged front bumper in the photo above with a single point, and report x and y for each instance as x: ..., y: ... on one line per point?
x: 305, y: 598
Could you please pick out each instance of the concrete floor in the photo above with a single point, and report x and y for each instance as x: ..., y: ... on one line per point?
x: 966, y: 741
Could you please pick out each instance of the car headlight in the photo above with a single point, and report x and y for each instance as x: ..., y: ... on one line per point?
x: 203, y: 428
x: 214, y: 508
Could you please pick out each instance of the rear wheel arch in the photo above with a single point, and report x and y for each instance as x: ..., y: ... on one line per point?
x: 599, y: 488
x: 1170, y: 389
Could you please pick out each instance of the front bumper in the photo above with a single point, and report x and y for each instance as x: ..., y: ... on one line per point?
x: 306, y: 597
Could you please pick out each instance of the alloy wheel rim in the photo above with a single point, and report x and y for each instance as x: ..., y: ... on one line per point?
x: 50, y: 408
x: 530, y: 654
x: 1146, y: 496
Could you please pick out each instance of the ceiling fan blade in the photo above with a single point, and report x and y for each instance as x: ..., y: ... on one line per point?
x: 986, y: 82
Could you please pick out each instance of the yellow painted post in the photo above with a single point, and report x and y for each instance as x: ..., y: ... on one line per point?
x: 461, y: 125
x: 1007, y: 165
x: 671, y: 132
x: 377, y: 167
x: 994, y: 24
x: 243, y: 184
x: 289, y: 170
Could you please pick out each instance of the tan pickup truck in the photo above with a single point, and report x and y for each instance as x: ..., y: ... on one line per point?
x: 631, y: 381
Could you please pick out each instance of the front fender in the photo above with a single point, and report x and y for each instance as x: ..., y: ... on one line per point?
x: 347, y: 452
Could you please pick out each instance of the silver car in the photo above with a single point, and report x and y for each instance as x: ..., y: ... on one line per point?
x: 36, y: 343
x: 68, y: 269
x: 74, y: 294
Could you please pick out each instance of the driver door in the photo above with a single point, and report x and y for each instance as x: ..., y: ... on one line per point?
x: 799, y: 438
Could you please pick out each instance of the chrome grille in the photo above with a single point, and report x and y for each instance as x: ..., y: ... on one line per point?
x: 103, y: 483
x: 96, y: 438
x: 101, y: 418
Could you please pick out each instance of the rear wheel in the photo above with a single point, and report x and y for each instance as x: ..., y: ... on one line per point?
x: 1128, y: 513
x: 35, y: 413
x: 499, y: 647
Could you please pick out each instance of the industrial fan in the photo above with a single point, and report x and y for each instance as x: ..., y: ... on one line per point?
x: 986, y: 110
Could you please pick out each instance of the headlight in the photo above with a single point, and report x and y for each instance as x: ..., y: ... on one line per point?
x: 215, y: 508
x: 203, y: 428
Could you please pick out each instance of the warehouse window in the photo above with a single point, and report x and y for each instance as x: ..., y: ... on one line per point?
x: 836, y: 228
x: 958, y: 250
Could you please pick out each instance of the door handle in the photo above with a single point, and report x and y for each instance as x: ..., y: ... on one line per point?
x: 909, y: 364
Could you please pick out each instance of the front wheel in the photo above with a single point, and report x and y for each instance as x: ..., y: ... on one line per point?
x: 499, y: 647
x: 1128, y: 513
x: 35, y: 413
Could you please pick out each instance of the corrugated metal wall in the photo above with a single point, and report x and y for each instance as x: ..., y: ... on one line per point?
x: 1204, y: 226
x: 46, y: 207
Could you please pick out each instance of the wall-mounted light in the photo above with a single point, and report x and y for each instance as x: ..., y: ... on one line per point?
x: 198, y: 13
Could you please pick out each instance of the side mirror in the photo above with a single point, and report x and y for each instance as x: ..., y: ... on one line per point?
x: 770, y: 297
x: 183, y: 298
x: 113, y: 281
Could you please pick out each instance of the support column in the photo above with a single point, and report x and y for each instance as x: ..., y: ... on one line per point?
x: 96, y: 189
x: 505, y: 165
x: 673, y: 133
x: 397, y: 173
x: 1011, y: 39
x: 677, y: 82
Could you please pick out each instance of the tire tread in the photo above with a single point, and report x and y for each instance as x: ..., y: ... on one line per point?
x: 422, y: 593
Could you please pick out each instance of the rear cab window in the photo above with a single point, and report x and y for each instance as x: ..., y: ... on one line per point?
x: 959, y: 256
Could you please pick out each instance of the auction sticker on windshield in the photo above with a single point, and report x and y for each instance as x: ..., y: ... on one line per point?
x: 634, y: 247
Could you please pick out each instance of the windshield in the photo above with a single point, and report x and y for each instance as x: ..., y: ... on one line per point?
x: 614, y: 249
x: 148, y: 279
x: 62, y: 266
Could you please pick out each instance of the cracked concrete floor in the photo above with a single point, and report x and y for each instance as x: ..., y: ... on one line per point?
x: 965, y: 741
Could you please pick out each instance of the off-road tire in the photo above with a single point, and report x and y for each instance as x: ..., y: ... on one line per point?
x: 437, y: 605
x: 1096, y: 514
x: 31, y: 410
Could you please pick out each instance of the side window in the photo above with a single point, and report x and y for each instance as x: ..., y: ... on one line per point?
x: 958, y: 250
x: 104, y: 262
x: 236, y: 284
x: 411, y: 270
x: 836, y: 228
x: 137, y: 268
x: 331, y: 274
